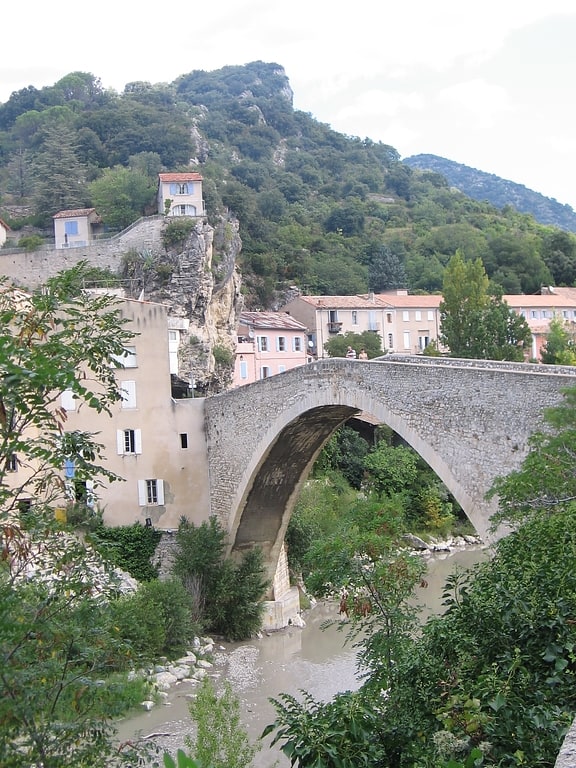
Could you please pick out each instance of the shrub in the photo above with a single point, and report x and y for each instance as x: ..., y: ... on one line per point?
x: 177, y: 231
x: 156, y: 619
x: 31, y: 242
x: 130, y: 547
x: 227, y: 596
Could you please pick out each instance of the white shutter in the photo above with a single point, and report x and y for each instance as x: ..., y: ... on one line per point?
x: 160, y: 491
x: 142, y: 493
x: 67, y: 400
x: 90, y: 495
x: 137, y: 441
x: 128, y: 392
x: 120, y: 442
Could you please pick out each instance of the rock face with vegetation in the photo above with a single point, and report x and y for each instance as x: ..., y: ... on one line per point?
x: 198, y: 279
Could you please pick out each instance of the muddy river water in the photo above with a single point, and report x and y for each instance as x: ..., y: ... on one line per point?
x: 318, y: 661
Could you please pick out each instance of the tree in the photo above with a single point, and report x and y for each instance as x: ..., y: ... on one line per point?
x: 560, y: 345
x: 475, y: 324
x: 121, y: 195
x: 546, y: 481
x: 386, y: 271
x: 56, y: 642
x: 367, y: 340
x: 60, y: 178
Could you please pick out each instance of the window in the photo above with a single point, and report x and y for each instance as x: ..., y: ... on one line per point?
x: 390, y: 341
x: 67, y: 400
x: 12, y: 463
x: 265, y: 372
x: 150, y: 492
x: 565, y: 314
x: 127, y: 359
x: 534, y: 314
x: 406, y: 339
x: 545, y: 313
x: 183, y: 440
x: 333, y: 316
x: 128, y: 393
x: 372, y: 322
x: 71, y: 227
x: 354, y: 317
x: 262, y: 342
x: 83, y: 492
x: 405, y: 315
x: 417, y: 315
x: 388, y: 317
x: 297, y: 344
x: 128, y: 441
x: 243, y: 369
x: 430, y: 314
x: 423, y: 342
x: 281, y: 344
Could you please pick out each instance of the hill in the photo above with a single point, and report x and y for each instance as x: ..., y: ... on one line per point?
x: 500, y: 192
x: 320, y: 211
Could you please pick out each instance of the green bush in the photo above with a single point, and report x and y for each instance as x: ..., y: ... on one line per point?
x: 226, y: 596
x: 223, y: 357
x: 31, y: 242
x: 177, y: 231
x: 155, y: 620
x: 130, y: 547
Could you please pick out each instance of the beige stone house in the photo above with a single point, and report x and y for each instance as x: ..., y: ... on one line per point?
x: 75, y: 228
x: 180, y: 194
x: 148, y: 440
x: 405, y: 324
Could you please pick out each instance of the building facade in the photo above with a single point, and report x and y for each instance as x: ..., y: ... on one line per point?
x: 75, y: 228
x: 268, y: 343
x: 180, y: 194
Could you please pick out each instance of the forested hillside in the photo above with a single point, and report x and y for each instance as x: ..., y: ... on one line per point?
x: 499, y: 192
x: 329, y: 213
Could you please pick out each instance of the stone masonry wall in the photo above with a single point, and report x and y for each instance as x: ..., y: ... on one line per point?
x: 30, y: 270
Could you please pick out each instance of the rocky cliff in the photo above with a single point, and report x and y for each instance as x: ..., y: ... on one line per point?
x: 200, y: 283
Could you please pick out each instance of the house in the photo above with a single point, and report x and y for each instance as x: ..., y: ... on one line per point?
x: 412, y: 322
x: 4, y: 229
x: 180, y: 194
x: 75, y: 228
x: 268, y: 343
x: 540, y: 308
x: 147, y: 439
x: 406, y: 324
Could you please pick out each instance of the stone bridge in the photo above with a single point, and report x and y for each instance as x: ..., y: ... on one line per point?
x: 470, y: 420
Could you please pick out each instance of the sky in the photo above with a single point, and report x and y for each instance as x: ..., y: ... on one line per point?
x: 490, y: 85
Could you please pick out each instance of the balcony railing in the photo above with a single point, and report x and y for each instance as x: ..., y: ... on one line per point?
x: 334, y: 327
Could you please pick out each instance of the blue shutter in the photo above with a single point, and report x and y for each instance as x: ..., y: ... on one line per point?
x: 173, y: 189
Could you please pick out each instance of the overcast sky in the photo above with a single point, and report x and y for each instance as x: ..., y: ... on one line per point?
x: 489, y: 84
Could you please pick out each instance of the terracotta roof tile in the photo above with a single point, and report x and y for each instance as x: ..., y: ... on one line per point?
x: 74, y: 213
x: 280, y: 320
x: 167, y: 177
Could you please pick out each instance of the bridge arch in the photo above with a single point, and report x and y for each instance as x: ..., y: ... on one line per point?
x: 469, y: 420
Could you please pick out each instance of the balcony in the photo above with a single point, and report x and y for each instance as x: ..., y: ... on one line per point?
x: 334, y: 327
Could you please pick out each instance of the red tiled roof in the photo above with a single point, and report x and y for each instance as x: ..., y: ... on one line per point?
x: 540, y: 301
x: 75, y: 213
x: 179, y: 177
x: 409, y: 301
x: 345, y: 302
x: 280, y: 320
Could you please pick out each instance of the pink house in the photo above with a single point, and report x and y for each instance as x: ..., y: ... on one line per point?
x: 268, y: 343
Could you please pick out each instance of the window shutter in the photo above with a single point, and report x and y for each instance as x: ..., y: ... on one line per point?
x: 128, y: 392
x: 160, y: 491
x: 142, y: 493
x: 67, y: 400
x: 120, y: 442
x: 173, y: 189
x: 137, y: 441
x: 90, y: 495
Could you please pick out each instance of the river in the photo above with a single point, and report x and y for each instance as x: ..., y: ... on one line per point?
x: 318, y: 661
